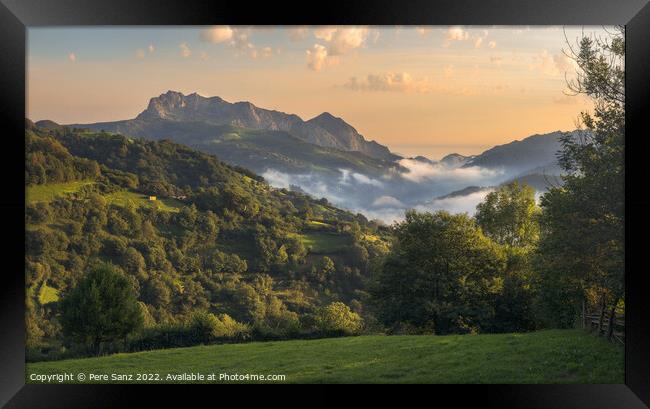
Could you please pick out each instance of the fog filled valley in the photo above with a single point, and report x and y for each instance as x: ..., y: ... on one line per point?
x: 326, y: 157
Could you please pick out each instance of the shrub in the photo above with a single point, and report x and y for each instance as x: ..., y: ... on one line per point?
x: 338, y: 318
x: 209, y: 327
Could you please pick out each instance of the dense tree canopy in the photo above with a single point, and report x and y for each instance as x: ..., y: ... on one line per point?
x: 102, y: 307
x: 440, y: 274
x: 216, y: 239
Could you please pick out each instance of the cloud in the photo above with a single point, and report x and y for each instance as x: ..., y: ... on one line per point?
x: 343, y: 40
x: 454, y: 33
x: 217, y: 34
x: 553, y: 65
x: 277, y: 179
x: 404, y: 82
x: 423, y: 31
x: 361, y: 178
x: 185, y: 50
x: 72, y: 57
x: 456, y: 204
x: 348, y: 176
x: 325, y: 33
x: 316, y: 57
x: 418, y: 171
x: 387, y: 201
x: 392, y: 81
x: 338, y: 41
x: 298, y: 33
x: 237, y: 39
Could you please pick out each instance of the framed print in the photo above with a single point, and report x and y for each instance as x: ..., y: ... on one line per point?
x: 412, y: 193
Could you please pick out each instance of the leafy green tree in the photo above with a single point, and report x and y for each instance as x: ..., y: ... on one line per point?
x: 102, y: 307
x: 509, y: 215
x: 439, y: 275
x: 581, y: 249
x: 338, y: 317
x: 132, y: 261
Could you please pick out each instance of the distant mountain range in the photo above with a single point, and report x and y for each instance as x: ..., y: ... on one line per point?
x: 176, y: 109
x: 537, y: 151
x: 326, y: 157
x: 257, y: 138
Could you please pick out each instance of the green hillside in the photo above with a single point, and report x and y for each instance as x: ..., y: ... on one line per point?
x: 252, y: 149
x: 554, y: 356
x: 191, y: 233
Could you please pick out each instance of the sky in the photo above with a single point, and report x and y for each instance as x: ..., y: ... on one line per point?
x: 424, y: 91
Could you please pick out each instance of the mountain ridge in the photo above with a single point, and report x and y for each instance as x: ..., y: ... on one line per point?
x: 324, y: 130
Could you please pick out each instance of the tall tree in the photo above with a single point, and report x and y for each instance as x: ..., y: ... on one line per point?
x: 509, y: 215
x: 581, y: 245
x: 440, y: 275
x: 103, y: 307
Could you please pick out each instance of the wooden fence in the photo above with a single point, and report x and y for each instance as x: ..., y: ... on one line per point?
x: 608, y: 324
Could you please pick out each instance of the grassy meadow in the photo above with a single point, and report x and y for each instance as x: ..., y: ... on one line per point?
x: 551, y: 356
x: 47, y: 193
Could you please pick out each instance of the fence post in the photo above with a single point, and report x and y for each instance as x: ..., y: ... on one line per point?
x: 602, y: 314
x: 612, y: 320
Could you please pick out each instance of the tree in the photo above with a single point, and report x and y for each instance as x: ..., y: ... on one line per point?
x: 581, y: 250
x: 509, y: 215
x: 102, y: 308
x: 439, y: 275
x: 337, y: 317
x: 208, y: 327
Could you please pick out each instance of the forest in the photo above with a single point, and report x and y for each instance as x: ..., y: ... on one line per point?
x: 134, y: 245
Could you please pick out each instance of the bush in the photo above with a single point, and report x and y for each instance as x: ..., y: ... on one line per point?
x: 202, y: 328
x: 338, y: 318
x: 209, y: 327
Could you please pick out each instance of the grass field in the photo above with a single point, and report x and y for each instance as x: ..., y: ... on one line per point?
x: 552, y: 356
x: 47, y: 193
x: 120, y: 198
x: 323, y: 242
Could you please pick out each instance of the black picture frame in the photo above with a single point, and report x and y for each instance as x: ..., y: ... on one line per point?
x: 16, y: 15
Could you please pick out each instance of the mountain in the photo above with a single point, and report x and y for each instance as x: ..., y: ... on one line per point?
x: 464, y: 192
x: 520, y: 156
x: 455, y: 160
x: 348, y: 137
x: 173, y: 107
x: 257, y: 150
x: 46, y: 124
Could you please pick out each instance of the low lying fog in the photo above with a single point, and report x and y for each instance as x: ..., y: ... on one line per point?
x: 387, y: 196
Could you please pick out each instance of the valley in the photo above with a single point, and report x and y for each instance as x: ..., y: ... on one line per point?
x: 327, y: 157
